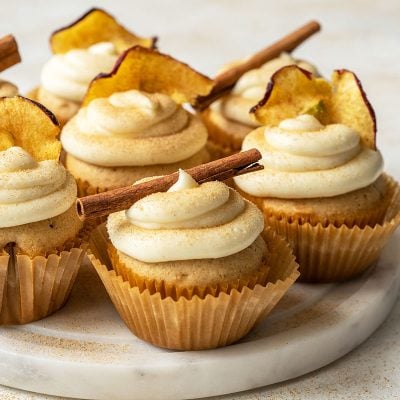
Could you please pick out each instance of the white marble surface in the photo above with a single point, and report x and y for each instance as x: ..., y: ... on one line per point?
x: 362, y: 35
x: 86, y: 343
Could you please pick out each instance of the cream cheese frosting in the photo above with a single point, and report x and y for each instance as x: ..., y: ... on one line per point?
x: 32, y: 191
x: 251, y: 87
x: 7, y: 89
x: 304, y: 159
x: 182, y: 223
x: 133, y: 128
x: 68, y: 75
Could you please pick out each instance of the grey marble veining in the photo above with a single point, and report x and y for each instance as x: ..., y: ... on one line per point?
x: 86, y: 343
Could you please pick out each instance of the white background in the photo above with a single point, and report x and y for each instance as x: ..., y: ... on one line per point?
x: 363, y: 36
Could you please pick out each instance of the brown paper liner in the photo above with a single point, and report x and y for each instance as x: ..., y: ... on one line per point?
x: 218, y: 151
x: 336, y: 252
x: 222, y: 142
x: 32, y: 288
x: 86, y: 189
x: 33, y: 94
x: 197, y: 323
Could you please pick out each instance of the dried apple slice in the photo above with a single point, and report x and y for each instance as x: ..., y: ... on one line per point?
x: 93, y: 27
x: 150, y: 71
x: 290, y: 92
x: 349, y: 106
x: 28, y: 124
x: 293, y: 91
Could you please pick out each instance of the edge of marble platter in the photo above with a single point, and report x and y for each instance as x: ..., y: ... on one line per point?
x: 297, y: 338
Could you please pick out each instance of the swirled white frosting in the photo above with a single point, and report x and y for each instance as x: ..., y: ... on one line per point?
x: 7, y: 89
x: 133, y: 128
x: 68, y: 75
x: 182, y: 223
x: 32, y: 191
x: 305, y: 159
x: 251, y: 87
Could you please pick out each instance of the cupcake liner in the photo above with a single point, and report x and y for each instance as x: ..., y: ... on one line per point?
x: 336, y: 252
x: 222, y: 142
x: 218, y: 151
x: 195, y: 323
x: 86, y: 189
x: 32, y: 288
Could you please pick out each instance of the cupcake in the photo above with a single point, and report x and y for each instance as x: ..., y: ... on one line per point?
x: 7, y: 89
x: 228, y: 119
x: 132, y: 123
x: 41, y: 236
x: 9, y: 56
x: 323, y: 185
x: 81, y: 51
x: 185, y: 266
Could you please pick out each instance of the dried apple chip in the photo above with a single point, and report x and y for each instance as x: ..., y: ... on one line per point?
x: 293, y: 91
x: 28, y: 124
x: 349, y: 106
x: 93, y: 27
x: 290, y: 92
x: 153, y: 72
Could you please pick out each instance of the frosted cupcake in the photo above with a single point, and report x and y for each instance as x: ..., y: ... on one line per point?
x: 177, y: 288
x: 322, y: 186
x: 9, y: 56
x: 82, y: 50
x: 7, y: 89
x: 228, y: 120
x: 132, y: 124
x: 40, y: 233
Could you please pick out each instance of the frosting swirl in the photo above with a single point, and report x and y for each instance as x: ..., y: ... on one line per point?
x: 133, y: 128
x: 7, y: 89
x: 181, y: 224
x: 250, y: 89
x: 68, y: 75
x: 304, y: 159
x: 32, y: 191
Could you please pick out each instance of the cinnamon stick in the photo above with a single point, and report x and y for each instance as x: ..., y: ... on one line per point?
x: 102, y: 204
x: 9, y: 54
x: 225, y: 81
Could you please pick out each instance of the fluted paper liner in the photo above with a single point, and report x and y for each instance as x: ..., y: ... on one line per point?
x: 32, y: 288
x: 221, y: 142
x: 336, y: 252
x: 86, y: 189
x: 197, y: 323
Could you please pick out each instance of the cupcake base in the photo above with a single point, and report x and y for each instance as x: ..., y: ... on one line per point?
x: 197, y: 323
x: 32, y: 288
x: 225, y: 136
x: 63, y: 109
x: 331, y: 253
x: 92, y: 179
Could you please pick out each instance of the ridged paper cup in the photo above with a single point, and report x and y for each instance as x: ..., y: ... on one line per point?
x: 195, y: 323
x: 336, y: 252
x: 86, y: 189
x: 217, y: 151
x: 32, y: 288
x: 222, y: 141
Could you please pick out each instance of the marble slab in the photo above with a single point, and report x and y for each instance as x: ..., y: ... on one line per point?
x: 360, y: 35
x: 85, y: 351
